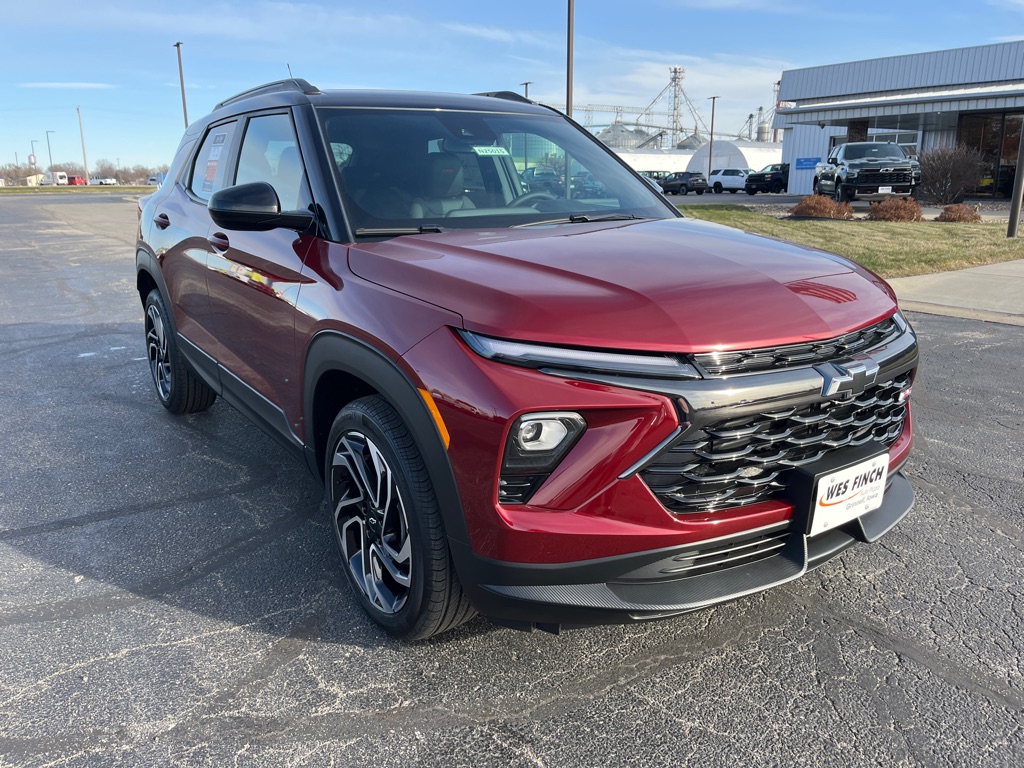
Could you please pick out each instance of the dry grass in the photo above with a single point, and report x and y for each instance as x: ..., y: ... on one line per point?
x: 892, y: 249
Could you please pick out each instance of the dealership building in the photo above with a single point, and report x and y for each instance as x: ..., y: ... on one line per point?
x: 971, y: 96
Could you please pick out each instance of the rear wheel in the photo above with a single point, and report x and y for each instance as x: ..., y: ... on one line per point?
x: 388, y: 524
x: 699, y: 191
x: 177, y: 387
x: 683, y: 190
x: 718, y: 188
x: 751, y: 192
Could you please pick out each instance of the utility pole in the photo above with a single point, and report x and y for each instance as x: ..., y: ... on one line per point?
x: 526, y: 88
x: 32, y: 157
x: 1018, y: 193
x: 181, y: 78
x: 49, y: 152
x: 711, y: 143
x: 81, y: 132
x: 568, y: 66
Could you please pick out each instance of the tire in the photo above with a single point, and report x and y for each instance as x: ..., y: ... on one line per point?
x: 842, y: 194
x: 700, y: 191
x: 683, y: 190
x: 814, y: 188
x: 179, y: 390
x: 751, y: 192
x: 718, y: 188
x: 733, y: 191
x: 392, y: 544
x: 777, y: 187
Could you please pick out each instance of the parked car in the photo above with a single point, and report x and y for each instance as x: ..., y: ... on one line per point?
x: 584, y: 185
x: 552, y: 411
x: 542, y: 179
x: 771, y: 178
x: 76, y: 181
x: 728, y: 179
x: 103, y: 181
x: 681, y: 182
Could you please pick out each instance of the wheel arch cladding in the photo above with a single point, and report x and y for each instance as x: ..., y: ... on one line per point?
x: 340, y: 369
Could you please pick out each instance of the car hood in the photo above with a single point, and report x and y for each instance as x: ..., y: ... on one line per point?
x: 672, y: 285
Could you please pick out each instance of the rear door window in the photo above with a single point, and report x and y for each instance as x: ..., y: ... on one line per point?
x: 209, y: 171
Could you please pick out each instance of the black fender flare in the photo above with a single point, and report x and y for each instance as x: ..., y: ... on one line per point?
x: 336, y: 351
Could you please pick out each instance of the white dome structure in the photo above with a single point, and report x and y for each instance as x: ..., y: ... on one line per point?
x: 736, y: 154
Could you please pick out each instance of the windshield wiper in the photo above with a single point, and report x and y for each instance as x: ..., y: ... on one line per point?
x: 397, y: 231
x: 581, y: 219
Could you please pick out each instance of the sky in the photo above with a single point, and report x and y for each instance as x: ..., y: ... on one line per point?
x: 115, y: 60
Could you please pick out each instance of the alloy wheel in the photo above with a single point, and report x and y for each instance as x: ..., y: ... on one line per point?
x: 158, y: 352
x: 370, y: 522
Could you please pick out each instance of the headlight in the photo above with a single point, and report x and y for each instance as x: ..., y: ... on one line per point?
x: 572, y: 359
x: 852, y: 173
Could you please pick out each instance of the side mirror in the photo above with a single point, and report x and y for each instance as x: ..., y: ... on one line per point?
x: 254, y: 208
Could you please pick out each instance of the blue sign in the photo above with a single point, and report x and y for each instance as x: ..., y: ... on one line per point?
x: 807, y: 163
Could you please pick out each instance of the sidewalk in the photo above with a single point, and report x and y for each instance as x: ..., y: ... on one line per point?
x: 994, y: 293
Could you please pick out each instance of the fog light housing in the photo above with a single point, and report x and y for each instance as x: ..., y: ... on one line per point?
x: 536, y: 444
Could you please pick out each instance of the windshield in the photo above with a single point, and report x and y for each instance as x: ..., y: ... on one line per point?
x: 404, y: 171
x: 874, y: 152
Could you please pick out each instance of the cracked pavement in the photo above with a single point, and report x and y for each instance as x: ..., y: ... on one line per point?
x: 170, y: 596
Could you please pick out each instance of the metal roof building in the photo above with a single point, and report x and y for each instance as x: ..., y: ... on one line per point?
x: 973, y: 96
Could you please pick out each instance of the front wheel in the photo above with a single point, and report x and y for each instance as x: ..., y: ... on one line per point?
x: 179, y: 390
x: 718, y: 187
x: 699, y: 191
x: 683, y: 190
x: 842, y: 194
x: 751, y: 192
x: 388, y: 525
x: 777, y: 187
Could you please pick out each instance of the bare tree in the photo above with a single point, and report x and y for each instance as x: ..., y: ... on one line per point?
x: 948, y: 173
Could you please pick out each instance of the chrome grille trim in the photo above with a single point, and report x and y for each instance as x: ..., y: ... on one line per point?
x: 714, y: 364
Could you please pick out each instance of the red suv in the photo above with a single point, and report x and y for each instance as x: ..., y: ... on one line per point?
x: 552, y: 410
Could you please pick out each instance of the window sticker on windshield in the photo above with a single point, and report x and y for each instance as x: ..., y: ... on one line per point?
x: 218, y: 138
x: 215, y: 152
x: 491, y: 151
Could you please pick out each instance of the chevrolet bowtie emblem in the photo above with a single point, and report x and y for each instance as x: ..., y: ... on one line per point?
x: 843, y: 379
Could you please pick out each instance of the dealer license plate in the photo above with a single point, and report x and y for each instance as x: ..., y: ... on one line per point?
x: 841, y: 496
x: 885, y: 190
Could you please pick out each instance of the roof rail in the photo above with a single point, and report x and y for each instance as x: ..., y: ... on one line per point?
x: 291, y: 84
x: 507, y: 95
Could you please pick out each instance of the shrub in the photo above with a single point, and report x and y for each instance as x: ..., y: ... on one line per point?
x: 895, y: 209
x: 821, y: 207
x: 960, y: 213
x: 948, y: 173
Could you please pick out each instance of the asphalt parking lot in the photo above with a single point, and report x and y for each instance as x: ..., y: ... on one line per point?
x: 169, y: 594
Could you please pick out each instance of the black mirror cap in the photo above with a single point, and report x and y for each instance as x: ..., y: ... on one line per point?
x: 254, y: 208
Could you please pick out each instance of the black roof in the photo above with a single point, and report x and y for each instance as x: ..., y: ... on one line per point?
x: 298, y: 91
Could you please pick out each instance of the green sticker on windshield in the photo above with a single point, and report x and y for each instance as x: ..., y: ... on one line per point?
x: 491, y: 151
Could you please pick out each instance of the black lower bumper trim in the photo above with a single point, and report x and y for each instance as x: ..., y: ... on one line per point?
x: 600, y: 592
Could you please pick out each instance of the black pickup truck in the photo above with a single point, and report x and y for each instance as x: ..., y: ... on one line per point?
x: 867, y: 170
x: 771, y: 178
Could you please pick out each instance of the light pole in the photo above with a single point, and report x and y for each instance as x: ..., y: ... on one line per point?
x: 526, y: 88
x: 81, y: 132
x: 568, y: 62
x: 119, y: 170
x: 32, y: 157
x: 50, y: 153
x: 711, y: 144
x: 181, y: 78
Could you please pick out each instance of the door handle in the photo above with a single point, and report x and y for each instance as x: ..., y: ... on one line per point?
x: 162, y: 221
x: 219, y: 241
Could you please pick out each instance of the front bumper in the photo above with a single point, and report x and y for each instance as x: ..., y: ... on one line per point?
x: 646, y: 585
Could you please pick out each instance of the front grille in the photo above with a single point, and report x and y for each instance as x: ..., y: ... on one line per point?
x: 743, y: 460
x: 776, y: 358
x: 875, y: 177
x: 704, y: 558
